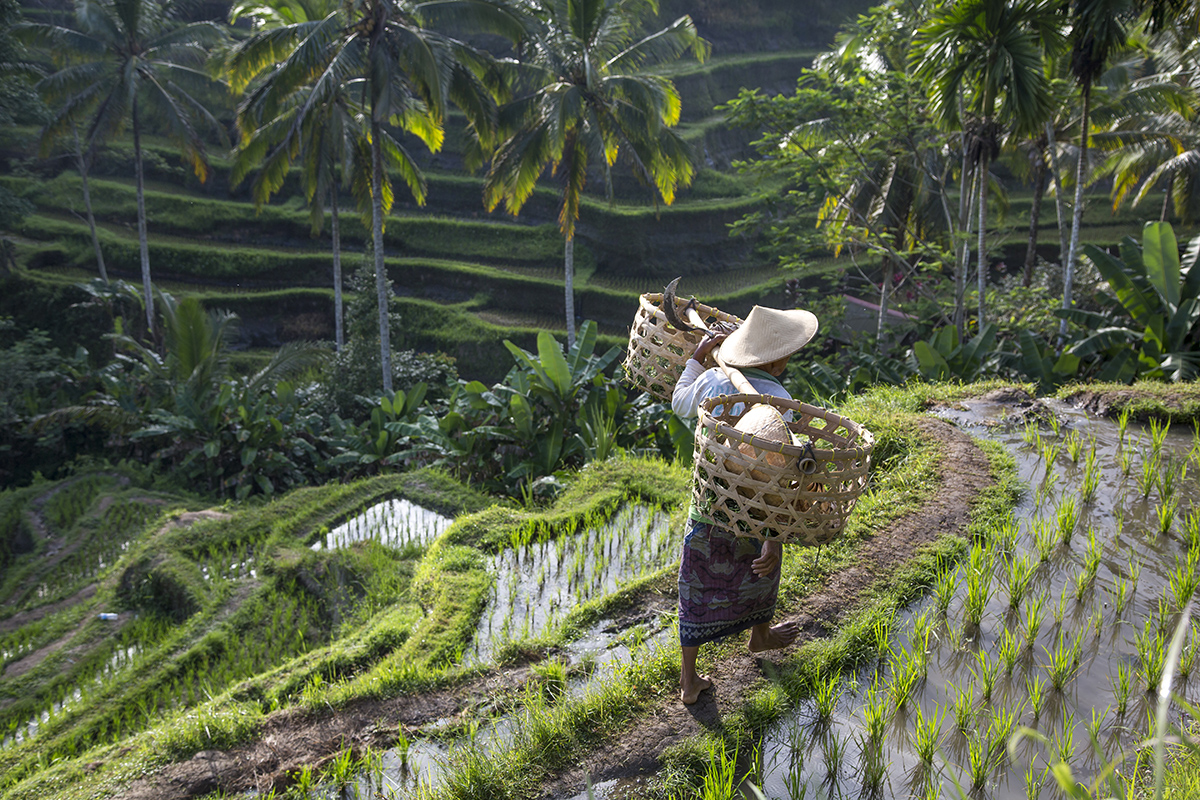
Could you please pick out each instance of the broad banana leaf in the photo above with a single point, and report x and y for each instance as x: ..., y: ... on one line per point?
x: 1160, y: 256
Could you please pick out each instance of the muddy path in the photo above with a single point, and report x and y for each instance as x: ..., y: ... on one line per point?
x: 294, y: 738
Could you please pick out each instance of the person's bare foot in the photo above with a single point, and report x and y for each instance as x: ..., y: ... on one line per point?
x: 763, y: 637
x: 691, y: 693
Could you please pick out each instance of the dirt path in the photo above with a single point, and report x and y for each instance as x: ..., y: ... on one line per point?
x: 294, y: 738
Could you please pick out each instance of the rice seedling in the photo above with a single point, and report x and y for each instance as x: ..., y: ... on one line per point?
x: 1148, y: 477
x: 875, y: 713
x: 826, y: 692
x: 979, y: 591
x: 1166, y: 515
x: 1064, y: 740
x: 1095, y: 723
x: 1066, y: 515
x: 1055, y: 426
x: 1045, y: 489
x: 1020, y: 574
x: 1082, y: 582
x: 1184, y: 578
x: 1167, y: 478
x: 1191, y: 528
x: 1135, y: 571
x: 978, y: 761
x: 1036, y: 690
x: 944, y: 589
x: 1033, y: 618
x: 1050, y: 451
x: 1073, y: 443
x: 304, y: 782
x: 1064, y: 661
x: 927, y: 734
x: 882, y: 631
x: 1032, y: 435
x: 906, y: 672
x: 1033, y: 786
x: 964, y: 706
x: 1120, y: 595
x: 1060, y: 610
x: 1122, y: 687
x: 1151, y: 651
x: 1003, y: 721
x: 1091, y: 556
x: 1045, y: 538
x: 985, y: 674
x: 1091, y: 476
x: 1122, y: 425
x: 1009, y: 651
x: 1125, y: 461
x: 1004, y: 538
x: 1187, y: 657
x: 1158, y: 433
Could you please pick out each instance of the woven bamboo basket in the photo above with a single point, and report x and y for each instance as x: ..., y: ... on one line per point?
x: 658, y: 350
x: 805, y: 499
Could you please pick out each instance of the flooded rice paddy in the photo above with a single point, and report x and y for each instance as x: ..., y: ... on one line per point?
x: 537, y: 583
x: 395, y: 523
x: 1059, y: 623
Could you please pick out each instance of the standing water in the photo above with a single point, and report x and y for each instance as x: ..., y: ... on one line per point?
x: 1059, y: 622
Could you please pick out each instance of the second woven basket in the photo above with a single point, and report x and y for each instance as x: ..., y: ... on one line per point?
x: 805, y: 497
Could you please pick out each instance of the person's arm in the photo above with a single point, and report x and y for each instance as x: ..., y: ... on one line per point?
x: 688, y: 391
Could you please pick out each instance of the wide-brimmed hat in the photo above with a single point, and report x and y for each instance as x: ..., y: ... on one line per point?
x: 767, y: 335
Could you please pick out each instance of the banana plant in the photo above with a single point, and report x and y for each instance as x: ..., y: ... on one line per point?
x: 943, y: 357
x: 1038, y: 362
x: 383, y: 438
x: 1159, y: 295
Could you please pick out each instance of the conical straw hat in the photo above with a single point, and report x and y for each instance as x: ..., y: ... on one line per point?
x: 767, y: 335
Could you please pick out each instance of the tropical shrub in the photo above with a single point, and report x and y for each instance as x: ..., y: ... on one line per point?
x: 1148, y: 328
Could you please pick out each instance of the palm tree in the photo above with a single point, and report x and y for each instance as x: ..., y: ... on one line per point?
x: 987, y: 54
x: 126, y: 59
x: 1097, y: 30
x: 584, y: 98
x: 405, y: 73
x: 324, y: 137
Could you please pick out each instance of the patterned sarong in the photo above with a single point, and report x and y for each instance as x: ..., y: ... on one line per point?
x: 719, y: 594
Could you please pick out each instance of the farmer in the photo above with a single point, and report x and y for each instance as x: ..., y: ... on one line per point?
x: 729, y: 583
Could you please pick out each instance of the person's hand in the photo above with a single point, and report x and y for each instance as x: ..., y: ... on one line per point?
x: 768, y: 560
x: 710, y: 340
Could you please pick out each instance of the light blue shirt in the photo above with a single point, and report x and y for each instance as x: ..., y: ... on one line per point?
x: 697, y: 384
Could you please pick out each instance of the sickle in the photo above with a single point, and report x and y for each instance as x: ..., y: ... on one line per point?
x: 668, y: 307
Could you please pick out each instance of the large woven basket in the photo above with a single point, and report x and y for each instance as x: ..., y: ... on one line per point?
x: 658, y: 350
x: 807, y: 498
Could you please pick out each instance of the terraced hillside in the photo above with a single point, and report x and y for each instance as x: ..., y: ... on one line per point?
x: 467, y: 278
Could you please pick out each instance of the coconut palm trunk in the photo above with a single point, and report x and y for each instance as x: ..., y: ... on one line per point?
x: 335, y: 234
x: 1056, y: 176
x: 1035, y: 212
x: 81, y: 164
x: 143, y: 244
x: 960, y: 281
x: 982, y: 177
x: 1077, y: 216
x: 964, y: 225
x: 381, y: 284
x: 569, y: 288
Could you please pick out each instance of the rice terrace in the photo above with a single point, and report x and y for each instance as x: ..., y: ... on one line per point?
x: 619, y: 399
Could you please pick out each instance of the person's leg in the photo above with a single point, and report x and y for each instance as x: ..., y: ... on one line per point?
x: 691, y: 683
